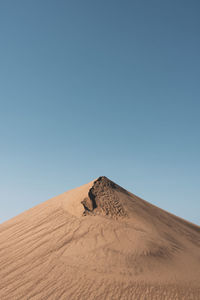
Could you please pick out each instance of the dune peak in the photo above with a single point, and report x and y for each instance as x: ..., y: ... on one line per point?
x: 102, y: 200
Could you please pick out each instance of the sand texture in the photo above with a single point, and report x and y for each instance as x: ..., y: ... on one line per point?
x: 99, y: 242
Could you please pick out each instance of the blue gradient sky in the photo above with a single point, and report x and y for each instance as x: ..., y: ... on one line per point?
x: 92, y: 88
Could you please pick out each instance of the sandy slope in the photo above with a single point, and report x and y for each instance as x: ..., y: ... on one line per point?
x: 99, y: 242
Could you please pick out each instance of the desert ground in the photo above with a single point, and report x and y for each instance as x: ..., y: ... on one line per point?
x: 99, y: 241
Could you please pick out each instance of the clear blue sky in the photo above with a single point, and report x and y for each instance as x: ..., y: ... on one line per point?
x: 90, y: 88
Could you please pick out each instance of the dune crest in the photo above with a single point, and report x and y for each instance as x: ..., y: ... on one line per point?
x: 99, y: 241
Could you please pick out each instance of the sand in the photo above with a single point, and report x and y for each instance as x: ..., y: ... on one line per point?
x: 99, y: 241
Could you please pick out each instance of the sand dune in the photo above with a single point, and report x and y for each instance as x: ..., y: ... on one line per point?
x: 99, y: 242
